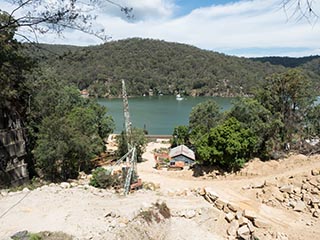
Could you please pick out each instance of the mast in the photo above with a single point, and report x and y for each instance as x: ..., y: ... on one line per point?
x: 131, y: 158
x: 126, y: 115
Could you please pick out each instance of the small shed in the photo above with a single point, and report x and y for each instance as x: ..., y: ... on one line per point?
x: 182, y: 153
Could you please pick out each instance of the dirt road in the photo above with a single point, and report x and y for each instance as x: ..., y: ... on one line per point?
x: 84, y: 212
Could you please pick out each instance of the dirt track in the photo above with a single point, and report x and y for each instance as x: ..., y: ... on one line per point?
x: 81, y: 210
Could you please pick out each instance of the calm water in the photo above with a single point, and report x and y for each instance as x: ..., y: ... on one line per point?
x: 159, y: 114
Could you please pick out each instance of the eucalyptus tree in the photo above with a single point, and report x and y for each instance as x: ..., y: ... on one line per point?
x: 289, y: 97
x: 203, y: 117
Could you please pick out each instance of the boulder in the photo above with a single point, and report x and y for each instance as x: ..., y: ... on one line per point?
x: 219, y: 204
x: 232, y: 230
x: 243, y: 221
x: 249, y: 214
x: 316, y: 214
x: 211, y: 194
x: 260, y: 223
x: 315, y: 200
x: 233, y: 207
x: 65, y: 185
x: 315, y: 172
x: 299, y: 206
x: 229, y: 216
x: 4, y: 193
x: 238, y: 214
x: 288, y: 188
x: 190, y: 213
x: 259, y: 185
x: 202, y: 192
x: 206, y: 197
x: 250, y: 226
x: 244, y: 232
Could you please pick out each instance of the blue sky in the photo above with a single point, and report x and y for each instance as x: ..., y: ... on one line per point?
x: 240, y: 27
x: 186, y: 6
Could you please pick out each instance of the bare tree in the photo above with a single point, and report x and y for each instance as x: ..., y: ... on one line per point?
x: 43, y: 16
x: 300, y: 9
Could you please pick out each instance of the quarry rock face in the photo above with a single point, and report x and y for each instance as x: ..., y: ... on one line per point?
x: 13, y: 169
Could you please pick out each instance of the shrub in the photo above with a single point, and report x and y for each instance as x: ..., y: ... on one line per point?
x: 157, y: 212
x: 103, y: 178
x: 229, y: 145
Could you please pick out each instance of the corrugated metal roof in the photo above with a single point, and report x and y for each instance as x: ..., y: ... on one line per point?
x: 182, y: 150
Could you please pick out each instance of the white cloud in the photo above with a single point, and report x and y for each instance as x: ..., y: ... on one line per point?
x: 256, y: 24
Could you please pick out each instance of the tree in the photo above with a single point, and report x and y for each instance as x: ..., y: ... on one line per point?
x: 203, y: 117
x: 228, y: 145
x: 313, y: 121
x: 13, y: 65
x: 138, y: 140
x: 288, y: 96
x: 261, y: 122
x: 65, y: 130
x: 41, y: 17
x: 180, y: 136
x: 301, y: 9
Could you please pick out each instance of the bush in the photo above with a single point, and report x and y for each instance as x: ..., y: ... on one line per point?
x: 229, y: 145
x: 157, y: 212
x: 103, y: 178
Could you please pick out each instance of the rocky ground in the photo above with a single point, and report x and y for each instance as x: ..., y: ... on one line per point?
x: 266, y: 200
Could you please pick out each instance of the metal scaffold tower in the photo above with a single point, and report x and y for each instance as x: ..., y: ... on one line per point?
x: 131, y: 156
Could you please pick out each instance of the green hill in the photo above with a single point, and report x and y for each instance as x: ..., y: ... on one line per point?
x: 290, y: 62
x: 155, y: 66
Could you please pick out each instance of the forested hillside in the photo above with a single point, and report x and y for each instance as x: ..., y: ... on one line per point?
x: 290, y: 62
x: 153, y: 66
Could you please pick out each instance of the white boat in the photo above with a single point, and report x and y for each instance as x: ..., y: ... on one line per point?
x: 178, y: 97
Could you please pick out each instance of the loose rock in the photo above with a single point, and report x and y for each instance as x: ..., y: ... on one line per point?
x: 260, y: 223
x: 300, y: 206
x: 65, y: 185
x: 229, y: 216
x: 286, y: 188
x: 244, y: 232
x: 249, y: 214
x: 232, y: 230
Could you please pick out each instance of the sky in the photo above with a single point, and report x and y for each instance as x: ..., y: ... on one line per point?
x: 249, y: 28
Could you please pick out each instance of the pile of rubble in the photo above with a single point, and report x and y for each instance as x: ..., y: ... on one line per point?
x: 242, y: 222
x: 297, y: 193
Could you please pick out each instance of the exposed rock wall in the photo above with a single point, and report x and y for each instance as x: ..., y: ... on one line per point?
x: 13, y: 169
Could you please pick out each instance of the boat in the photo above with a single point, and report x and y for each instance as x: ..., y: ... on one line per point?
x: 178, y: 97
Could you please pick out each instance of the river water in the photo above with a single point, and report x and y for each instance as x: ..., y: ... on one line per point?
x: 158, y: 114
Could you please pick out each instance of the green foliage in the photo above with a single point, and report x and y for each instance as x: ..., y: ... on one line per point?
x: 103, y: 178
x: 259, y: 120
x: 313, y: 121
x: 180, y: 136
x: 229, y: 145
x: 288, y: 96
x: 151, y: 64
x: 34, y: 236
x: 13, y: 64
x: 138, y: 140
x: 203, y: 117
x: 66, y: 130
